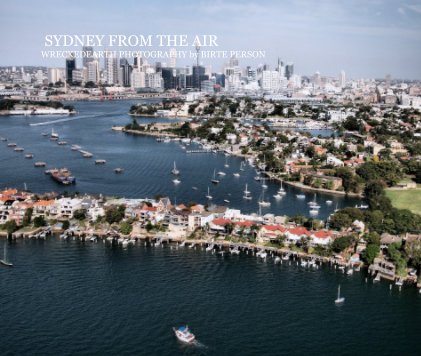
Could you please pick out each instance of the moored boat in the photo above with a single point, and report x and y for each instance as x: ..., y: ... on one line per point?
x: 183, y: 334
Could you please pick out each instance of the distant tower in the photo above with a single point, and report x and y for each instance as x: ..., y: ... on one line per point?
x: 173, y: 58
x: 88, y: 52
x: 388, y: 79
x: 342, y: 79
x: 197, y: 67
x: 70, y: 65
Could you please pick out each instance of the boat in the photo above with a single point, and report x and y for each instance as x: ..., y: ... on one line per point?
x: 350, y: 272
x: 4, y: 260
x: 262, y: 201
x: 235, y: 251
x: 313, y: 202
x: 184, y: 335
x: 62, y: 143
x: 220, y: 173
x: 11, y: 145
x: 247, y: 194
x: 236, y: 175
x: 226, y: 165
x: 62, y: 176
x: 277, y: 259
x: 277, y: 196
x: 75, y: 147
x: 176, y: 181
x: 44, y: 134
x: 118, y: 170
x: 281, y: 190
x: 209, y: 197
x: 29, y: 156
x: 242, y: 166
x: 175, y: 171
x: 257, y: 178
x: 54, y: 135
x: 166, y: 140
x: 4, y: 139
x: 314, y: 211
x: 399, y: 282
x: 214, y: 180
x: 100, y: 161
x: 39, y: 164
x: 226, y: 201
x: 340, y: 299
x: 377, y: 279
x: 300, y: 196
x: 329, y: 202
x: 19, y: 149
x: 210, y: 247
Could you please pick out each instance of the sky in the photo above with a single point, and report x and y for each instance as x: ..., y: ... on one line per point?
x: 365, y: 38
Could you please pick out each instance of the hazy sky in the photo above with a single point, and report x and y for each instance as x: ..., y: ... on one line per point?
x: 366, y: 38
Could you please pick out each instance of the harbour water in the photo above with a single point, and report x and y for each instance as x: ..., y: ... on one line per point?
x: 146, y: 163
x: 70, y: 297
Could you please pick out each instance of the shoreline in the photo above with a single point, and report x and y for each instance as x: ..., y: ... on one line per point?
x: 278, y: 255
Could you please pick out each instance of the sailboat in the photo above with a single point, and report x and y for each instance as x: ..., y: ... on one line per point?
x: 242, y: 166
x: 4, y: 260
x: 226, y: 165
x: 264, y: 185
x: 214, y: 180
x: 209, y: 197
x: 262, y: 201
x: 54, y: 135
x: 247, y: 194
x: 175, y: 171
x: 281, y: 190
x: 176, y: 181
x: 340, y: 299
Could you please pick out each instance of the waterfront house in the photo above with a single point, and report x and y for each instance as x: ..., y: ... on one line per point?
x: 269, y: 233
x: 322, y: 237
x: 384, y: 268
x: 164, y: 204
x: 67, y: 206
x: 18, y: 210
x: 387, y: 239
x: 42, y: 208
x: 199, y: 219
x: 295, y: 234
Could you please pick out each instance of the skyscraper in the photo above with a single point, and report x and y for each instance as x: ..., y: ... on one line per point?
x: 342, y: 79
x: 173, y: 58
x: 111, y: 68
x: 88, y: 55
x: 70, y: 66
x: 289, y: 70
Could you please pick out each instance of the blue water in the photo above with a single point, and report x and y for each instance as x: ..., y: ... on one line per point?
x: 147, y: 163
x: 69, y: 297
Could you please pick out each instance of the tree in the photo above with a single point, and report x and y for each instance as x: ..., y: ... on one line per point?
x: 65, y: 224
x: 10, y: 226
x: 370, y: 253
x: 115, y: 214
x: 39, y: 221
x: 126, y: 228
x: 341, y: 243
x: 27, y: 217
x: 340, y: 220
x: 79, y: 214
x: 413, y: 250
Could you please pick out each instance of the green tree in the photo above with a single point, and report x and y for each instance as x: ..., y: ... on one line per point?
x: 341, y: 243
x: 340, y: 220
x: 370, y: 253
x: 65, y: 224
x: 27, y: 217
x: 114, y: 214
x: 79, y: 214
x: 126, y: 228
x: 413, y: 250
x: 10, y: 226
x: 39, y: 221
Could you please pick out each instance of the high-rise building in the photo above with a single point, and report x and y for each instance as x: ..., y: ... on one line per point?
x: 70, y: 66
x: 93, y: 71
x: 289, y: 70
x: 126, y: 71
x: 198, y: 76
x: 270, y: 80
x: 56, y: 75
x: 88, y: 55
x: 342, y: 79
x: 173, y: 58
x: 111, y: 68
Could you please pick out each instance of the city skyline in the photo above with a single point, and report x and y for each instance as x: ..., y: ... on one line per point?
x: 367, y: 40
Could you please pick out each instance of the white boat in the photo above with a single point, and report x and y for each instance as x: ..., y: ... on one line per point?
x: 183, y: 244
x: 226, y: 201
x: 399, y: 282
x: 277, y: 196
x: 277, y: 259
x: 314, y: 211
x: 220, y: 173
x: 236, y: 175
x: 4, y: 260
x: 300, y: 196
x: 214, y: 180
x: 304, y: 263
x: 350, y: 272
x: 377, y: 279
x: 184, y: 335
x: 209, y: 197
x: 262, y: 201
x: 125, y: 243
x: 226, y: 165
x: 176, y: 181
x: 247, y: 194
x: 281, y: 190
x: 242, y: 166
x: 235, y: 251
x: 257, y: 178
x: 175, y: 171
x: 54, y: 135
x: 329, y: 202
x: 340, y: 299
x: 210, y: 247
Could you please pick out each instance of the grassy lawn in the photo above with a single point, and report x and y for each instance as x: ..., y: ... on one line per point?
x: 406, y: 199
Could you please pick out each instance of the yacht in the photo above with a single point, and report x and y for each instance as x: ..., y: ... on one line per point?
x: 226, y: 201
x: 247, y: 194
x: 184, y: 335
x: 277, y: 196
x: 209, y: 197
x: 281, y: 190
x: 314, y: 211
x: 236, y: 175
x: 220, y: 173
x: 340, y: 299
x: 4, y: 260
x: 300, y: 196
x: 329, y: 202
x: 214, y: 180
x: 262, y: 201
x: 175, y: 171
x: 242, y: 166
x: 176, y: 181
x: 226, y: 165
x: 54, y: 135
